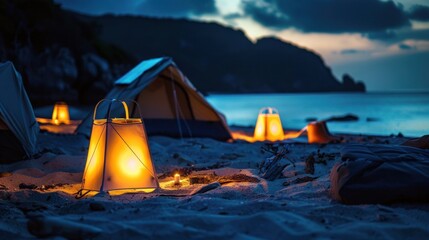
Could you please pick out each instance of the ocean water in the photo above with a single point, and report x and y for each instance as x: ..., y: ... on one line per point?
x: 390, y: 113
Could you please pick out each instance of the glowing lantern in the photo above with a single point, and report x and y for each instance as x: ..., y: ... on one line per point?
x: 61, y: 113
x: 268, y: 126
x: 318, y: 133
x: 118, y: 155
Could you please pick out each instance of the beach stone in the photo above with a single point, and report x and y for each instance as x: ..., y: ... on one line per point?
x: 27, y: 186
x: 95, y: 206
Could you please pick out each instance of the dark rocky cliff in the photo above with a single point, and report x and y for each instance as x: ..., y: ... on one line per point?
x: 68, y: 56
x: 221, y: 59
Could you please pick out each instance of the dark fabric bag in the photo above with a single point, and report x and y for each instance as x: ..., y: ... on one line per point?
x: 381, y: 174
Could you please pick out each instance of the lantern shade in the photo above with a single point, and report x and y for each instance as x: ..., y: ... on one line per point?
x: 318, y: 133
x: 119, y: 157
x: 268, y: 126
x: 60, y: 114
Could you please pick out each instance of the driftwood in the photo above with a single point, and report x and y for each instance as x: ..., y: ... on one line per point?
x: 302, y: 179
x: 205, y: 179
x: 271, y: 168
x: 274, y: 171
x: 309, y: 164
x: 237, y: 178
x: 207, y: 188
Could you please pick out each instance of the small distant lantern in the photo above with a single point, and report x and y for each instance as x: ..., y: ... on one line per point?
x: 118, y: 155
x: 61, y: 115
x: 268, y: 125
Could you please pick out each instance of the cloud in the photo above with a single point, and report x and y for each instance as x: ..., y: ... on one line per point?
x: 419, y: 13
x: 328, y: 16
x: 352, y: 51
x: 266, y: 13
x: 405, y: 46
x: 381, y: 35
x: 98, y: 7
x: 175, y: 8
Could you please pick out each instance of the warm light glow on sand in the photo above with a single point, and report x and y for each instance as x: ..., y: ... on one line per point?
x: 241, y: 135
x: 170, y: 183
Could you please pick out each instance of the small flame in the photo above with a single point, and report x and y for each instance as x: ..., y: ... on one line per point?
x: 176, y: 179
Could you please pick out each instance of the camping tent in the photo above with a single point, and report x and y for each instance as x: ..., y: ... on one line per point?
x: 16, y: 114
x: 169, y: 103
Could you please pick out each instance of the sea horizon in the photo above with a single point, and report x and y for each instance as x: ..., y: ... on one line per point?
x: 378, y: 113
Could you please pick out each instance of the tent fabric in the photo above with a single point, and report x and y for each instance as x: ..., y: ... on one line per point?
x: 15, y: 108
x: 138, y: 71
x: 381, y: 174
x: 170, y: 105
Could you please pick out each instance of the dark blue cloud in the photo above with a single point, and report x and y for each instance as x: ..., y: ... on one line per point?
x: 157, y: 8
x: 398, y: 36
x: 175, y: 8
x: 404, y: 46
x: 352, y: 51
x: 329, y: 16
x: 381, y: 35
x: 267, y: 14
x: 98, y: 7
x: 419, y: 13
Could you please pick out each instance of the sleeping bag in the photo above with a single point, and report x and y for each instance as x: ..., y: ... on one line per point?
x: 381, y: 174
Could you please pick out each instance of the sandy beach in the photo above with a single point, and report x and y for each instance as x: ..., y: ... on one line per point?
x: 214, y: 119
x: 38, y: 196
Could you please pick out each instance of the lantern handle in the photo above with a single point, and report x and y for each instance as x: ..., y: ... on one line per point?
x: 96, y: 107
x: 124, y: 104
x: 136, y: 103
x: 271, y: 110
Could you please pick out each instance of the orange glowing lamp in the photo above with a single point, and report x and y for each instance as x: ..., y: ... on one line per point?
x: 268, y: 126
x: 118, y: 156
x: 318, y: 133
x: 61, y: 115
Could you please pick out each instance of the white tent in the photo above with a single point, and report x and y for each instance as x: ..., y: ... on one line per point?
x: 16, y: 112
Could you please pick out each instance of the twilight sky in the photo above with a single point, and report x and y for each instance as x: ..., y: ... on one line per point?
x: 383, y: 43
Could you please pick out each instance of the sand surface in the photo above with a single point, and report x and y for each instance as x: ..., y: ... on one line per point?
x: 245, y: 209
